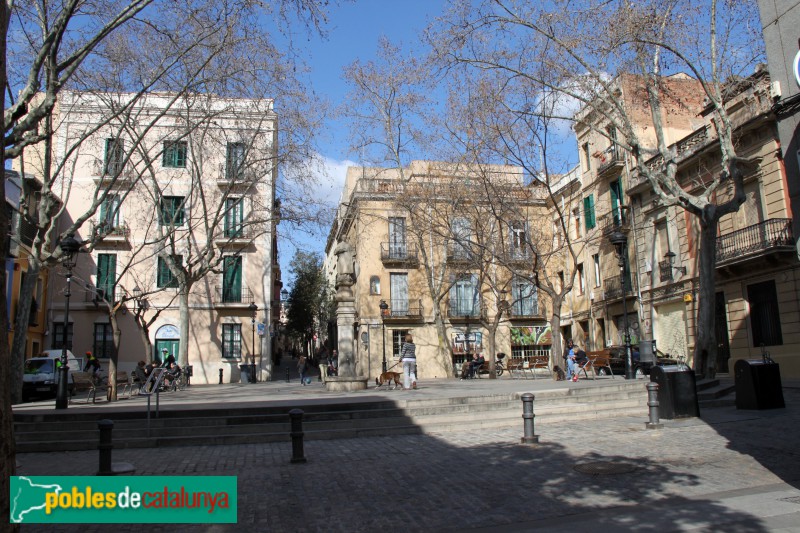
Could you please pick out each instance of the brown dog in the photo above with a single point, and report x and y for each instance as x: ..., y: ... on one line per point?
x: 388, y: 377
x: 558, y: 374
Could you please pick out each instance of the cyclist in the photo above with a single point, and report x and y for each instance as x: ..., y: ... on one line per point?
x: 93, y: 363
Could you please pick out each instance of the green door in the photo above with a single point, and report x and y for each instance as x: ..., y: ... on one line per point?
x: 172, y: 346
x: 617, y: 201
x: 232, y: 279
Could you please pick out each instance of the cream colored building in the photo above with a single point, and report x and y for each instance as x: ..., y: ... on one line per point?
x: 450, y: 272
x: 189, y: 179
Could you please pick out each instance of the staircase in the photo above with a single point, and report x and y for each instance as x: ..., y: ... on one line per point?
x: 718, y: 392
x: 335, y: 419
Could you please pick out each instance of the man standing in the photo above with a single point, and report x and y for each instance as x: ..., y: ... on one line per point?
x: 322, y: 360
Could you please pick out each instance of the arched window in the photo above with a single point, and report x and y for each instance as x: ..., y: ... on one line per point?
x: 374, y: 285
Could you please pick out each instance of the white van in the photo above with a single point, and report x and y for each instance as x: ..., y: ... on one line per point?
x: 40, y: 377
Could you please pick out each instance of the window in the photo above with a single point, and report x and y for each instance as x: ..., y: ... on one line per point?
x: 581, y: 280
x: 165, y: 277
x: 617, y: 201
x: 399, y: 294
x: 560, y: 280
x: 765, y: 316
x: 106, y: 276
x: 662, y: 239
x: 596, y: 260
x: 374, y: 285
x: 232, y: 279
x: 234, y: 162
x: 103, y: 341
x: 464, y: 296
x: 398, y: 338
x: 231, y: 341
x: 519, y: 238
x: 114, y: 156
x: 397, y: 237
x: 172, y: 211
x: 462, y: 233
x: 576, y: 216
x: 58, y: 335
x: 524, y: 298
x: 109, y: 213
x: 587, y: 166
x: 588, y: 212
x: 234, y: 217
x: 174, y: 155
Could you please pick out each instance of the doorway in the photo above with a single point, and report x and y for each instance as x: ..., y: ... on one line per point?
x: 721, y: 333
x: 171, y: 345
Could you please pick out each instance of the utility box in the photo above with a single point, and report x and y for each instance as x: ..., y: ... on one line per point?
x: 758, y: 384
x: 647, y: 351
x: 677, y: 392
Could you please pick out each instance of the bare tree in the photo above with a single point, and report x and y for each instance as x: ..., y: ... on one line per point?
x: 587, y: 46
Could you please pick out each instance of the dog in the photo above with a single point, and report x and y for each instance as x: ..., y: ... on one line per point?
x: 558, y: 374
x: 388, y: 377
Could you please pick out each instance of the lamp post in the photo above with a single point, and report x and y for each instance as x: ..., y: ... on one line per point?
x: 670, y: 257
x: 384, y: 307
x: 69, y: 247
x: 253, y: 310
x: 620, y: 241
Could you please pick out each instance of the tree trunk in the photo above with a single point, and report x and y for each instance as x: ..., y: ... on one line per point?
x: 555, y: 333
x: 114, y: 359
x: 444, y: 345
x: 705, y: 349
x: 21, y: 329
x: 183, y: 303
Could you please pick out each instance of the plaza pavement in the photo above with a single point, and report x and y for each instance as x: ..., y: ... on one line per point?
x: 731, y: 471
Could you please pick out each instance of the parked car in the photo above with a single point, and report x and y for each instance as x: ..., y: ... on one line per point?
x: 640, y: 369
x: 40, y: 378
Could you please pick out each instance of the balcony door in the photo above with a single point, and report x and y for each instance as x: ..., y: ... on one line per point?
x: 617, y: 201
x: 464, y: 296
x: 524, y: 296
x: 232, y: 279
x: 462, y: 233
x: 399, y: 294
x: 397, y: 237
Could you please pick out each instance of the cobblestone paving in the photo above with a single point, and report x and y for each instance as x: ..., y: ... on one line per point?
x: 472, y: 480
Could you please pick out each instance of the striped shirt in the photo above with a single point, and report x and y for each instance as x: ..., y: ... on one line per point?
x: 407, y: 351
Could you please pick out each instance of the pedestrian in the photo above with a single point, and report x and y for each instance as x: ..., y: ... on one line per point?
x: 333, y: 365
x: 409, y: 358
x: 569, y: 359
x: 323, y: 364
x: 93, y: 363
x: 302, y: 368
x: 168, y: 358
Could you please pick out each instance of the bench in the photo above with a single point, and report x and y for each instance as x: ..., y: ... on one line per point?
x: 528, y: 365
x: 124, y: 384
x: 83, y: 382
x: 598, y: 360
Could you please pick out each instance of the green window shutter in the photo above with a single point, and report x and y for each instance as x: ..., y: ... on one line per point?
x: 233, y: 217
x: 234, y: 161
x: 106, y: 275
x: 232, y: 279
x: 588, y: 212
x: 164, y: 277
x: 172, y: 211
x: 174, y: 154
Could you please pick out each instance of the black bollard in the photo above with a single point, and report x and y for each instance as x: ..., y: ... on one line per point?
x: 104, y: 447
x: 527, y: 417
x: 220, y: 376
x: 652, y: 403
x: 296, y: 416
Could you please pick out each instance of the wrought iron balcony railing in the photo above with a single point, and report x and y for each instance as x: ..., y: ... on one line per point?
x: 404, y: 308
x: 108, y: 230
x: 613, y: 287
x: 460, y: 253
x: 772, y: 234
x: 399, y: 252
x: 610, y: 161
x: 465, y: 308
x: 524, y: 309
x: 233, y: 295
x: 616, y: 220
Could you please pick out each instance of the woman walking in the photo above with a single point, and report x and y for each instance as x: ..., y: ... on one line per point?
x: 409, y: 358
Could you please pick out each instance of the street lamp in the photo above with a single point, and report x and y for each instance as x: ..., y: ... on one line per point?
x: 620, y: 241
x: 384, y: 308
x: 69, y: 247
x: 284, y: 294
x: 670, y: 257
x: 253, y: 309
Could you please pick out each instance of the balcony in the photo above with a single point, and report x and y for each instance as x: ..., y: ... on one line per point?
x: 109, y: 232
x: 613, y: 287
x: 465, y: 309
x: 232, y: 297
x: 236, y: 179
x: 525, y: 311
x: 518, y: 256
x: 403, y: 311
x: 610, y: 162
x: 618, y: 220
x: 112, y: 172
x: 460, y: 254
x: 399, y: 254
x: 770, y: 236
x: 665, y: 269
x: 234, y: 236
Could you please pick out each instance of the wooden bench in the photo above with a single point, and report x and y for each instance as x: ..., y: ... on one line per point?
x: 597, y: 360
x: 124, y: 384
x: 527, y: 366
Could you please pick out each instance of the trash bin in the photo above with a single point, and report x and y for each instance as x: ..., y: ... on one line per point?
x: 677, y: 391
x: 647, y: 351
x: 758, y: 384
x: 244, y: 370
x: 251, y: 372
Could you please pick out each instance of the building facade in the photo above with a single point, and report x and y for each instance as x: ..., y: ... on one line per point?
x: 167, y: 192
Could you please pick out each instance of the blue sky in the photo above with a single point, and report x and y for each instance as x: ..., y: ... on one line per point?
x: 353, y: 32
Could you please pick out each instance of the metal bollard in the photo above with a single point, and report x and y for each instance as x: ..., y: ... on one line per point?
x: 527, y: 417
x: 652, y: 403
x: 220, y: 376
x: 105, y: 446
x: 296, y: 416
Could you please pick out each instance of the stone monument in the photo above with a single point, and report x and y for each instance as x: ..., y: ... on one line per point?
x: 346, y: 272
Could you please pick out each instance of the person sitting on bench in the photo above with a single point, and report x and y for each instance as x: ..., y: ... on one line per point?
x: 475, y: 365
